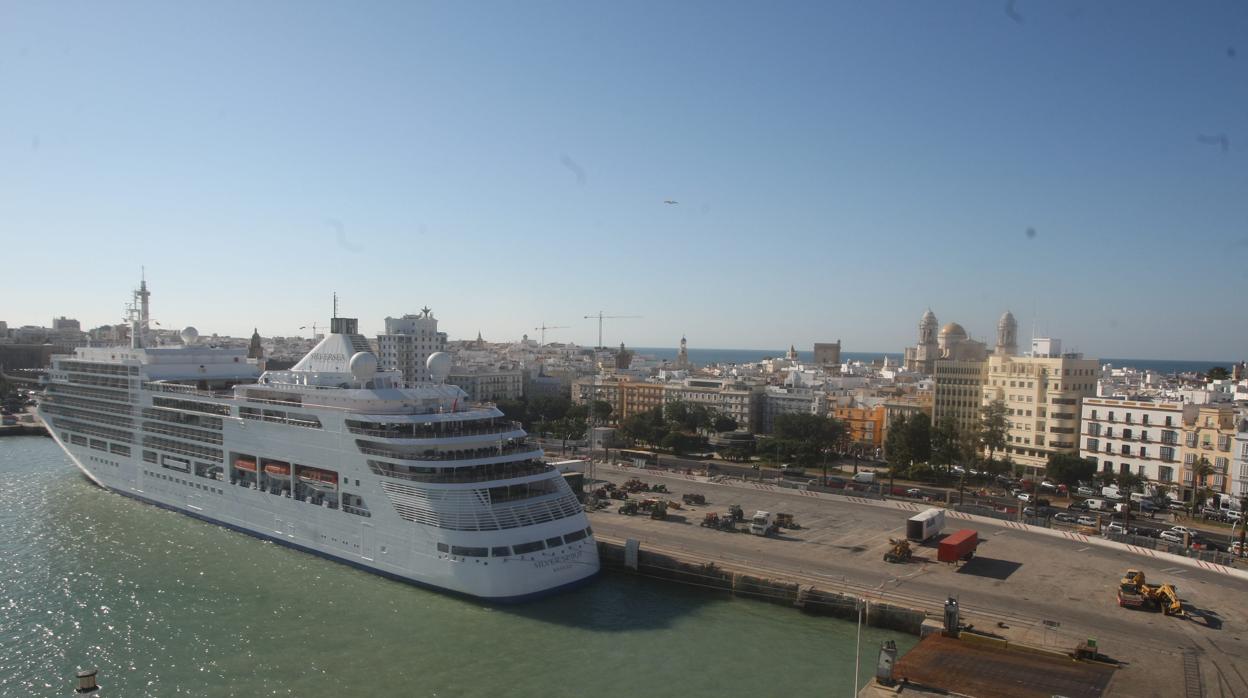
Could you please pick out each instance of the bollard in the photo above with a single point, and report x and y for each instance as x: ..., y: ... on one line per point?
x: 888, y: 658
x: 86, y: 682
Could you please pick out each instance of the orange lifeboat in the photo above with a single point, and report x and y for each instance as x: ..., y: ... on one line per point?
x: 245, y: 464
x: 277, y: 468
x: 319, y: 479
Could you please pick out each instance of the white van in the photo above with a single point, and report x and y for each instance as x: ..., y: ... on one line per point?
x: 864, y: 478
x: 1095, y: 504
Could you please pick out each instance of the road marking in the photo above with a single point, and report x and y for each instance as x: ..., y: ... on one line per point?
x: 1083, y: 549
x: 999, y: 533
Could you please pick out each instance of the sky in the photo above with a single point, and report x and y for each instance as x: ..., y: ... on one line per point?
x: 838, y: 167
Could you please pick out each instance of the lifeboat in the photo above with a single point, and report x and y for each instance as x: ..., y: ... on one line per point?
x: 319, y: 479
x: 245, y: 464
x: 277, y: 468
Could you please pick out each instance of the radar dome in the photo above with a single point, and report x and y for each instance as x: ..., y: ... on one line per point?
x: 363, y: 365
x: 439, y: 365
x: 189, y: 335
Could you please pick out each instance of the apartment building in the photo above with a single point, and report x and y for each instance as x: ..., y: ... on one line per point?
x: 1239, y: 465
x: 864, y: 426
x: 1208, y: 432
x: 488, y: 384
x: 1042, y: 393
x: 959, y: 393
x: 407, y: 344
x: 778, y: 400
x: 1136, y: 436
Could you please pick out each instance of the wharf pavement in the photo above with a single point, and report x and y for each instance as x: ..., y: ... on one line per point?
x: 1039, y: 590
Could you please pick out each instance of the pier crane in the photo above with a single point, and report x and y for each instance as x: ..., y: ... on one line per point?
x: 600, y: 317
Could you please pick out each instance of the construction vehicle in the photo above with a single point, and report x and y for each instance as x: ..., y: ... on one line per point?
x: 691, y: 498
x: 659, y: 488
x: 786, y: 521
x: 659, y: 510
x: 635, y: 485
x: 618, y: 494
x: 900, y: 552
x: 763, y: 523
x: 735, y: 512
x: 1133, y: 592
x: 629, y: 507
x: 710, y: 520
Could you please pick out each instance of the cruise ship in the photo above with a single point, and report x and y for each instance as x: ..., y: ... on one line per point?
x: 333, y: 456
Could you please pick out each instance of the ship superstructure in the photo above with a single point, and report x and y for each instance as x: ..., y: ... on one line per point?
x: 331, y: 456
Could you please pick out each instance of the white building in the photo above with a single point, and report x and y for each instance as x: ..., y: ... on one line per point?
x: 1133, y: 435
x: 407, y: 344
x: 1239, y: 467
x: 776, y: 401
x: 487, y: 384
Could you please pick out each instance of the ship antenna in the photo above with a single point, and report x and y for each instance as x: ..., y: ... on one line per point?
x: 335, y: 304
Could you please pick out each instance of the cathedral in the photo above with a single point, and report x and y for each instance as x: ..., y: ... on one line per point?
x: 952, y: 342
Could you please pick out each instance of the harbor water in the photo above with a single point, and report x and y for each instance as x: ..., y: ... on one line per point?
x: 167, y: 605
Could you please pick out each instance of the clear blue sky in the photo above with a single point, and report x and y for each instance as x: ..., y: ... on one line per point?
x: 839, y: 167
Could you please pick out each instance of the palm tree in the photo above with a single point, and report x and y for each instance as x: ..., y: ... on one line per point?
x: 1201, y: 470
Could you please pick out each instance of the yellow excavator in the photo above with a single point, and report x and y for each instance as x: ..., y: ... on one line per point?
x: 899, y: 551
x: 1134, y: 593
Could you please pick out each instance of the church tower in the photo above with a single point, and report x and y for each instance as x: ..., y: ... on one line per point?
x: 1007, y: 335
x: 682, y: 357
x: 255, y: 350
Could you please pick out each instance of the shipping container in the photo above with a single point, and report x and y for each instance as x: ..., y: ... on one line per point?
x: 959, y: 545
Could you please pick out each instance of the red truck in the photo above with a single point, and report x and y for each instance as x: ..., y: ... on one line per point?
x: 958, y: 546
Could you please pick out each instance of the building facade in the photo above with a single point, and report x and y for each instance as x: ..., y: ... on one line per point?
x: 776, y: 400
x: 1209, y: 431
x: 1134, y: 436
x: 407, y: 344
x: 828, y: 355
x: 864, y: 426
x: 1239, y: 481
x: 1042, y: 394
x: 485, y: 384
x: 959, y: 393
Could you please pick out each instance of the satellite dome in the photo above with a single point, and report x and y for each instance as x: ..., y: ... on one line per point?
x: 439, y: 365
x: 189, y: 335
x: 363, y: 365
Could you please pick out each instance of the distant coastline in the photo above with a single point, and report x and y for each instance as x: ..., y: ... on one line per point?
x: 702, y: 357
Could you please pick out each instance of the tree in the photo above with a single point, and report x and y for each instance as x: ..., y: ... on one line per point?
x: 1129, y: 482
x: 723, y: 423
x: 896, y: 443
x: 647, y: 427
x: 946, y: 442
x: 679, y: 443
x: 804, y: 437
x: 919, y: 437
x: 1218, y: 373
x: 600, y: 410
x: 1069, y: 469
x: 683, y: 415
x: 992, y: 427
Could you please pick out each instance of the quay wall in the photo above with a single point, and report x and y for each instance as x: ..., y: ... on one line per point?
x: 738, y: 582
x: 24, y: 430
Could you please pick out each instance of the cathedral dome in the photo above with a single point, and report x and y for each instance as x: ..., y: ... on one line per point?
x: 1007, y: 321
x: 953, y: 331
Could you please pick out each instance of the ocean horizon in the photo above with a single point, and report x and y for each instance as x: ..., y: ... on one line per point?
x: 704, y: 356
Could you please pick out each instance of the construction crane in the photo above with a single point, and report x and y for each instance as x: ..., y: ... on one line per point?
x: 545, y: 327
x: 600, y: 317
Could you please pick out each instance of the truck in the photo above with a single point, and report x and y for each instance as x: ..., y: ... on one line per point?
x: 763, y: 523
x: 926, y: 524
x: 958, y: 546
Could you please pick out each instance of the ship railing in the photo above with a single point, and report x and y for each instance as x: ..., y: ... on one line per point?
x: 462, y: 475
x: 356, y: 510
x: 398, y: 433
x: 159, y: 387
x: 462, y: 454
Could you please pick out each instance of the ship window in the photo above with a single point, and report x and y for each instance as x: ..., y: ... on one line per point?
x: 78, y: 440
x: 119, y: 449
x: 574, y: 536
x: 533, y: 547
x: 99, y: 445
x: 469, y: 552
x: 554, y: 542
x: 442, y: 548
x: 500, y: 551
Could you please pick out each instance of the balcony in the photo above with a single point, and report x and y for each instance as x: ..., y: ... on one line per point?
x: 1062, y: 430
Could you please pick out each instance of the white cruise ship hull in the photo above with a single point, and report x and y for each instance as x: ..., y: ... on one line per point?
x: 406, y: 554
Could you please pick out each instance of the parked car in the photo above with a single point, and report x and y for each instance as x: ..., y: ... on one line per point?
x: 914, y: 492
x: 1231, y: 516
x: 1081, y: 505
x: 1178, y: 506
x: 1184, y: 529
x: 1086, y: 520
x: 1065, y: 517
x: 1085, y: 491
x: 1114, y: 527
x: 1024, y: 496
x: 1171, y: 536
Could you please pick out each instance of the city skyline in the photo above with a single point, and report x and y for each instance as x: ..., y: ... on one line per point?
x: 837, y: 170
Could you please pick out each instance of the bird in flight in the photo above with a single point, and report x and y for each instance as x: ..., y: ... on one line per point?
x: 670, y: 201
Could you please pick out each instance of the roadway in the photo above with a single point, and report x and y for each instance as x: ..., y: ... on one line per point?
x: 1017, y: 582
